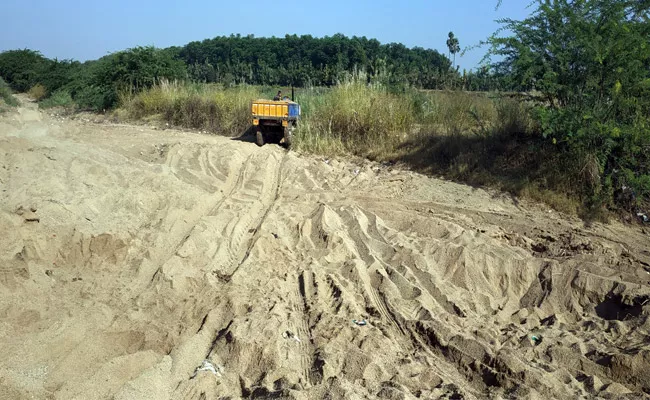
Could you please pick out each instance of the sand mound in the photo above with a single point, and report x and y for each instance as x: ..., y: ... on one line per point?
x: 142, y: 264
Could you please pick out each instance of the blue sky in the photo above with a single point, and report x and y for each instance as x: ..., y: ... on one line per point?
x: 84, y: 30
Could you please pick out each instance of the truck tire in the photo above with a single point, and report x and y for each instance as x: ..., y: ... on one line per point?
x: 259, y: 137
x: 288, y: 135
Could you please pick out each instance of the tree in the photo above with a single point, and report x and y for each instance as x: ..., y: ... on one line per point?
x: 454, y: 46
x: 21, y: 68
x: 590, y: 59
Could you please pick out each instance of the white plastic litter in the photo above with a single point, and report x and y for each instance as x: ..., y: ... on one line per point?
x: 207, y: 365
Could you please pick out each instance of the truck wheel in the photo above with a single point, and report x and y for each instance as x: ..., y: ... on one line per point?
x: 259, y: 137
x: 288, y: 135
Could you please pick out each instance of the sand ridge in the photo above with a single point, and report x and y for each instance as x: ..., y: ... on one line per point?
x: 139, y: 263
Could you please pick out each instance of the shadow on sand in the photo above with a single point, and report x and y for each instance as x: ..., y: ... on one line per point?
x: 517, y: 164
x: 248, y: 136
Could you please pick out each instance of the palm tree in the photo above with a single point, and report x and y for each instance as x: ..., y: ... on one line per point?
x: 453, y: 45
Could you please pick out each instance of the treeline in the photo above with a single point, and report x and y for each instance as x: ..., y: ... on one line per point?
x: 293, y: 60
x: 309, y: 61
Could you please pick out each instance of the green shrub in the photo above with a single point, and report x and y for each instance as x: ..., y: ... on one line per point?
x: 58, y: 75
x: 96, y: 98
x: 60, y: 98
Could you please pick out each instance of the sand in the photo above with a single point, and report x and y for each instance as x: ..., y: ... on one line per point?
x: 140, y: 263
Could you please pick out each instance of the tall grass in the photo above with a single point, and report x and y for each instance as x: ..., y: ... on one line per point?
x: 469, y: 137
x: 353, y: 117
x: 208, y: 107
x: 373, y: 120
x: 456, y: 113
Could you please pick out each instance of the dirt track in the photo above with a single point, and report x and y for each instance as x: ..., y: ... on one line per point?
x: 130, y: 257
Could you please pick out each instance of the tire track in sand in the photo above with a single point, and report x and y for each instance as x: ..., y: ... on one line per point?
x: 225, y: 237
x: 269, y: 195
x: 307, y: 290
x: 232, y: 183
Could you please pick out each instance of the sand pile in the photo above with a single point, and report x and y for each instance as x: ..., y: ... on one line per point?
x: 145, y: 264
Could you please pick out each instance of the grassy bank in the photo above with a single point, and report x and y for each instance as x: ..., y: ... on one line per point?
x: 481, y: 139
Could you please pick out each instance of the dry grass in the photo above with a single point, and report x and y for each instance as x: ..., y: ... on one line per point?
x: 553, y: 198
x: 37, y: 92
x: 207, y: 107
x: 353, y: 117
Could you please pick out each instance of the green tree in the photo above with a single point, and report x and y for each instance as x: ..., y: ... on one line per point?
x: 101, y: 81
x: 453, y: 45
x: 21, y: 69
x: 590, y: 59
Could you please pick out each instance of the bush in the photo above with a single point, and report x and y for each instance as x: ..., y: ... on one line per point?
x: 137, y: 69
x: 60, y: 98
x: 58, y: 75
x: 95, y: 98
x: 37, y: 92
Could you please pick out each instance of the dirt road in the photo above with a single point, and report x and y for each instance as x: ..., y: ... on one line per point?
x: 138, y: 263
